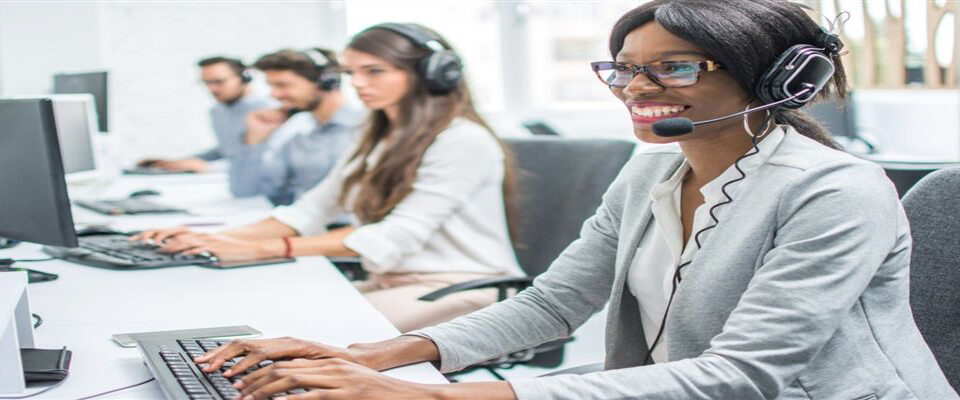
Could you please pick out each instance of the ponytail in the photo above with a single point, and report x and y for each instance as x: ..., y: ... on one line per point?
x: 805, y: 125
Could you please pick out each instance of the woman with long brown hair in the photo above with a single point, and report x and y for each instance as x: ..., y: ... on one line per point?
x: 427, y: 183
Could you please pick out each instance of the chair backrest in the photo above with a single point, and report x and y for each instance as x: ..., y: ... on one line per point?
x: 560, y: 183
x: 933, y: 208
x: 836, y: 115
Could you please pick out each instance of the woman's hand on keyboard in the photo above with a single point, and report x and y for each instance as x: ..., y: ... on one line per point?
x: 336, y: 378
x: 255, y: 351
x: 224, y: 247
x: 158, y: 236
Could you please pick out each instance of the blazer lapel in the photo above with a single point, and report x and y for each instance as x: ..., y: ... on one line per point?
x: 626, y: 345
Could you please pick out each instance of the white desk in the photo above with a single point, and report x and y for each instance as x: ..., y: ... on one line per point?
x: 308, y: 299
x: 206, y: 196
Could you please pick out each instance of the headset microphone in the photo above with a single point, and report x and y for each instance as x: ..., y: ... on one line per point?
x: 671, y: 127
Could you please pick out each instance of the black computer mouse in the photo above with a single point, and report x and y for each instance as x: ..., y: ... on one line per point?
x: 144, y: 192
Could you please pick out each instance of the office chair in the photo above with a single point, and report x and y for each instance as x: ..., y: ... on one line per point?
x: 905, y: 174
x: 560, y: 183
x: 839, y: 117
x: 933, y: 209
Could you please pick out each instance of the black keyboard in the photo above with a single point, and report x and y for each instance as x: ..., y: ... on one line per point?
x: 115, y: 251
x: 127, y: 206
x: 171, y: 362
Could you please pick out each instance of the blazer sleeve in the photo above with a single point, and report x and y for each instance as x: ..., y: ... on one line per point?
x: 836, y: 225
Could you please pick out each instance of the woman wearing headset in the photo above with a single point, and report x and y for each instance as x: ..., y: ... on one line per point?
x: 428, y: 182
x: 754, y: 262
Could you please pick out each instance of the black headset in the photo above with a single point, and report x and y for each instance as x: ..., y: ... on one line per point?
x: 327, y: 78
x: 245, y: 76
x: 799, y: 67
x: 442, y: 69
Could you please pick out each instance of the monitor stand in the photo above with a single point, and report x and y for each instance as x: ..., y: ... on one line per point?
x: 16, y: 331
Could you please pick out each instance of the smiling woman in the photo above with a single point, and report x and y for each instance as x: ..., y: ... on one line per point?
x: 727, y: 269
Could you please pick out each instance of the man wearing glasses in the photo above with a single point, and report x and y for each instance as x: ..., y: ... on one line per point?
x: 228, y: 81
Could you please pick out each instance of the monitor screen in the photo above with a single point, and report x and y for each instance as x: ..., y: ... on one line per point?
x: 94, y: 83
x: 34, y: 205
x: 72, y: 114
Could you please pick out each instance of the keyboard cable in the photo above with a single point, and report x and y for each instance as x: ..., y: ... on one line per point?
x: 119, y: 389
x: 11, y: 261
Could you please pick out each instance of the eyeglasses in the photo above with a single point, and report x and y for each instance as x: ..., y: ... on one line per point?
x: 666, y: 74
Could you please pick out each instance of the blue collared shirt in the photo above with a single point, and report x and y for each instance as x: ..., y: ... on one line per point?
x: 284, y: 169
x: 230, y: 125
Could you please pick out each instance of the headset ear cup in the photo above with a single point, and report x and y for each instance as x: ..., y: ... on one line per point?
x: 441, y: 71
x: 799, y: 66
x: 766, y: 89
x: 328, y: 81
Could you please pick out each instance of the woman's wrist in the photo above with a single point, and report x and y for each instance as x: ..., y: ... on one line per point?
x: 271, y: 248
x: 396, y: 352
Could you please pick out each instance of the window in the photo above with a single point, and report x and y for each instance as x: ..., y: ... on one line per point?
x: 563, y: 38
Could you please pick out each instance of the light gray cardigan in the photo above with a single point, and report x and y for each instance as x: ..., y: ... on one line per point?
x: 801, y: 292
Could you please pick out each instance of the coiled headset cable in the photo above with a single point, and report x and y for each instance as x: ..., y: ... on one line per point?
x: 675, y: 282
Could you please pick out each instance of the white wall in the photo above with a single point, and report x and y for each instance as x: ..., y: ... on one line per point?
x: 158, y: 106
x: 37, y: 41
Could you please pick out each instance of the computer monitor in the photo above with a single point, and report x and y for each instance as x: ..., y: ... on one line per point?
x: 76, y: 125
x: 94, y: 83
x: 34, y: 206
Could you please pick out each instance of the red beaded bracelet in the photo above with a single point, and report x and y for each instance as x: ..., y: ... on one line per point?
x: 287, y: 247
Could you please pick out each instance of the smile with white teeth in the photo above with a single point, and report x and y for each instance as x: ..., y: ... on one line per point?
x: 656, y: 111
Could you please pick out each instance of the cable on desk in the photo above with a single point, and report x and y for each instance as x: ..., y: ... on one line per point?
x: 37, y: 393
x: 11, y: 261
x: 117, y: 390
x: 39, y: 321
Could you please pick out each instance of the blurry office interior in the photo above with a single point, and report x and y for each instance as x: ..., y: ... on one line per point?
x: 527, y: 61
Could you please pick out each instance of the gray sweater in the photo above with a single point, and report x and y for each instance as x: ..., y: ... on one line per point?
x: 801, y: 292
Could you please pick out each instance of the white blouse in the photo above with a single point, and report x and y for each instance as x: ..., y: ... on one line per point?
x: 454, y: 220
x: 661, y: 248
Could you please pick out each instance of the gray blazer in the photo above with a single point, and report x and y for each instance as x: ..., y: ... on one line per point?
x: 801, y: 292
